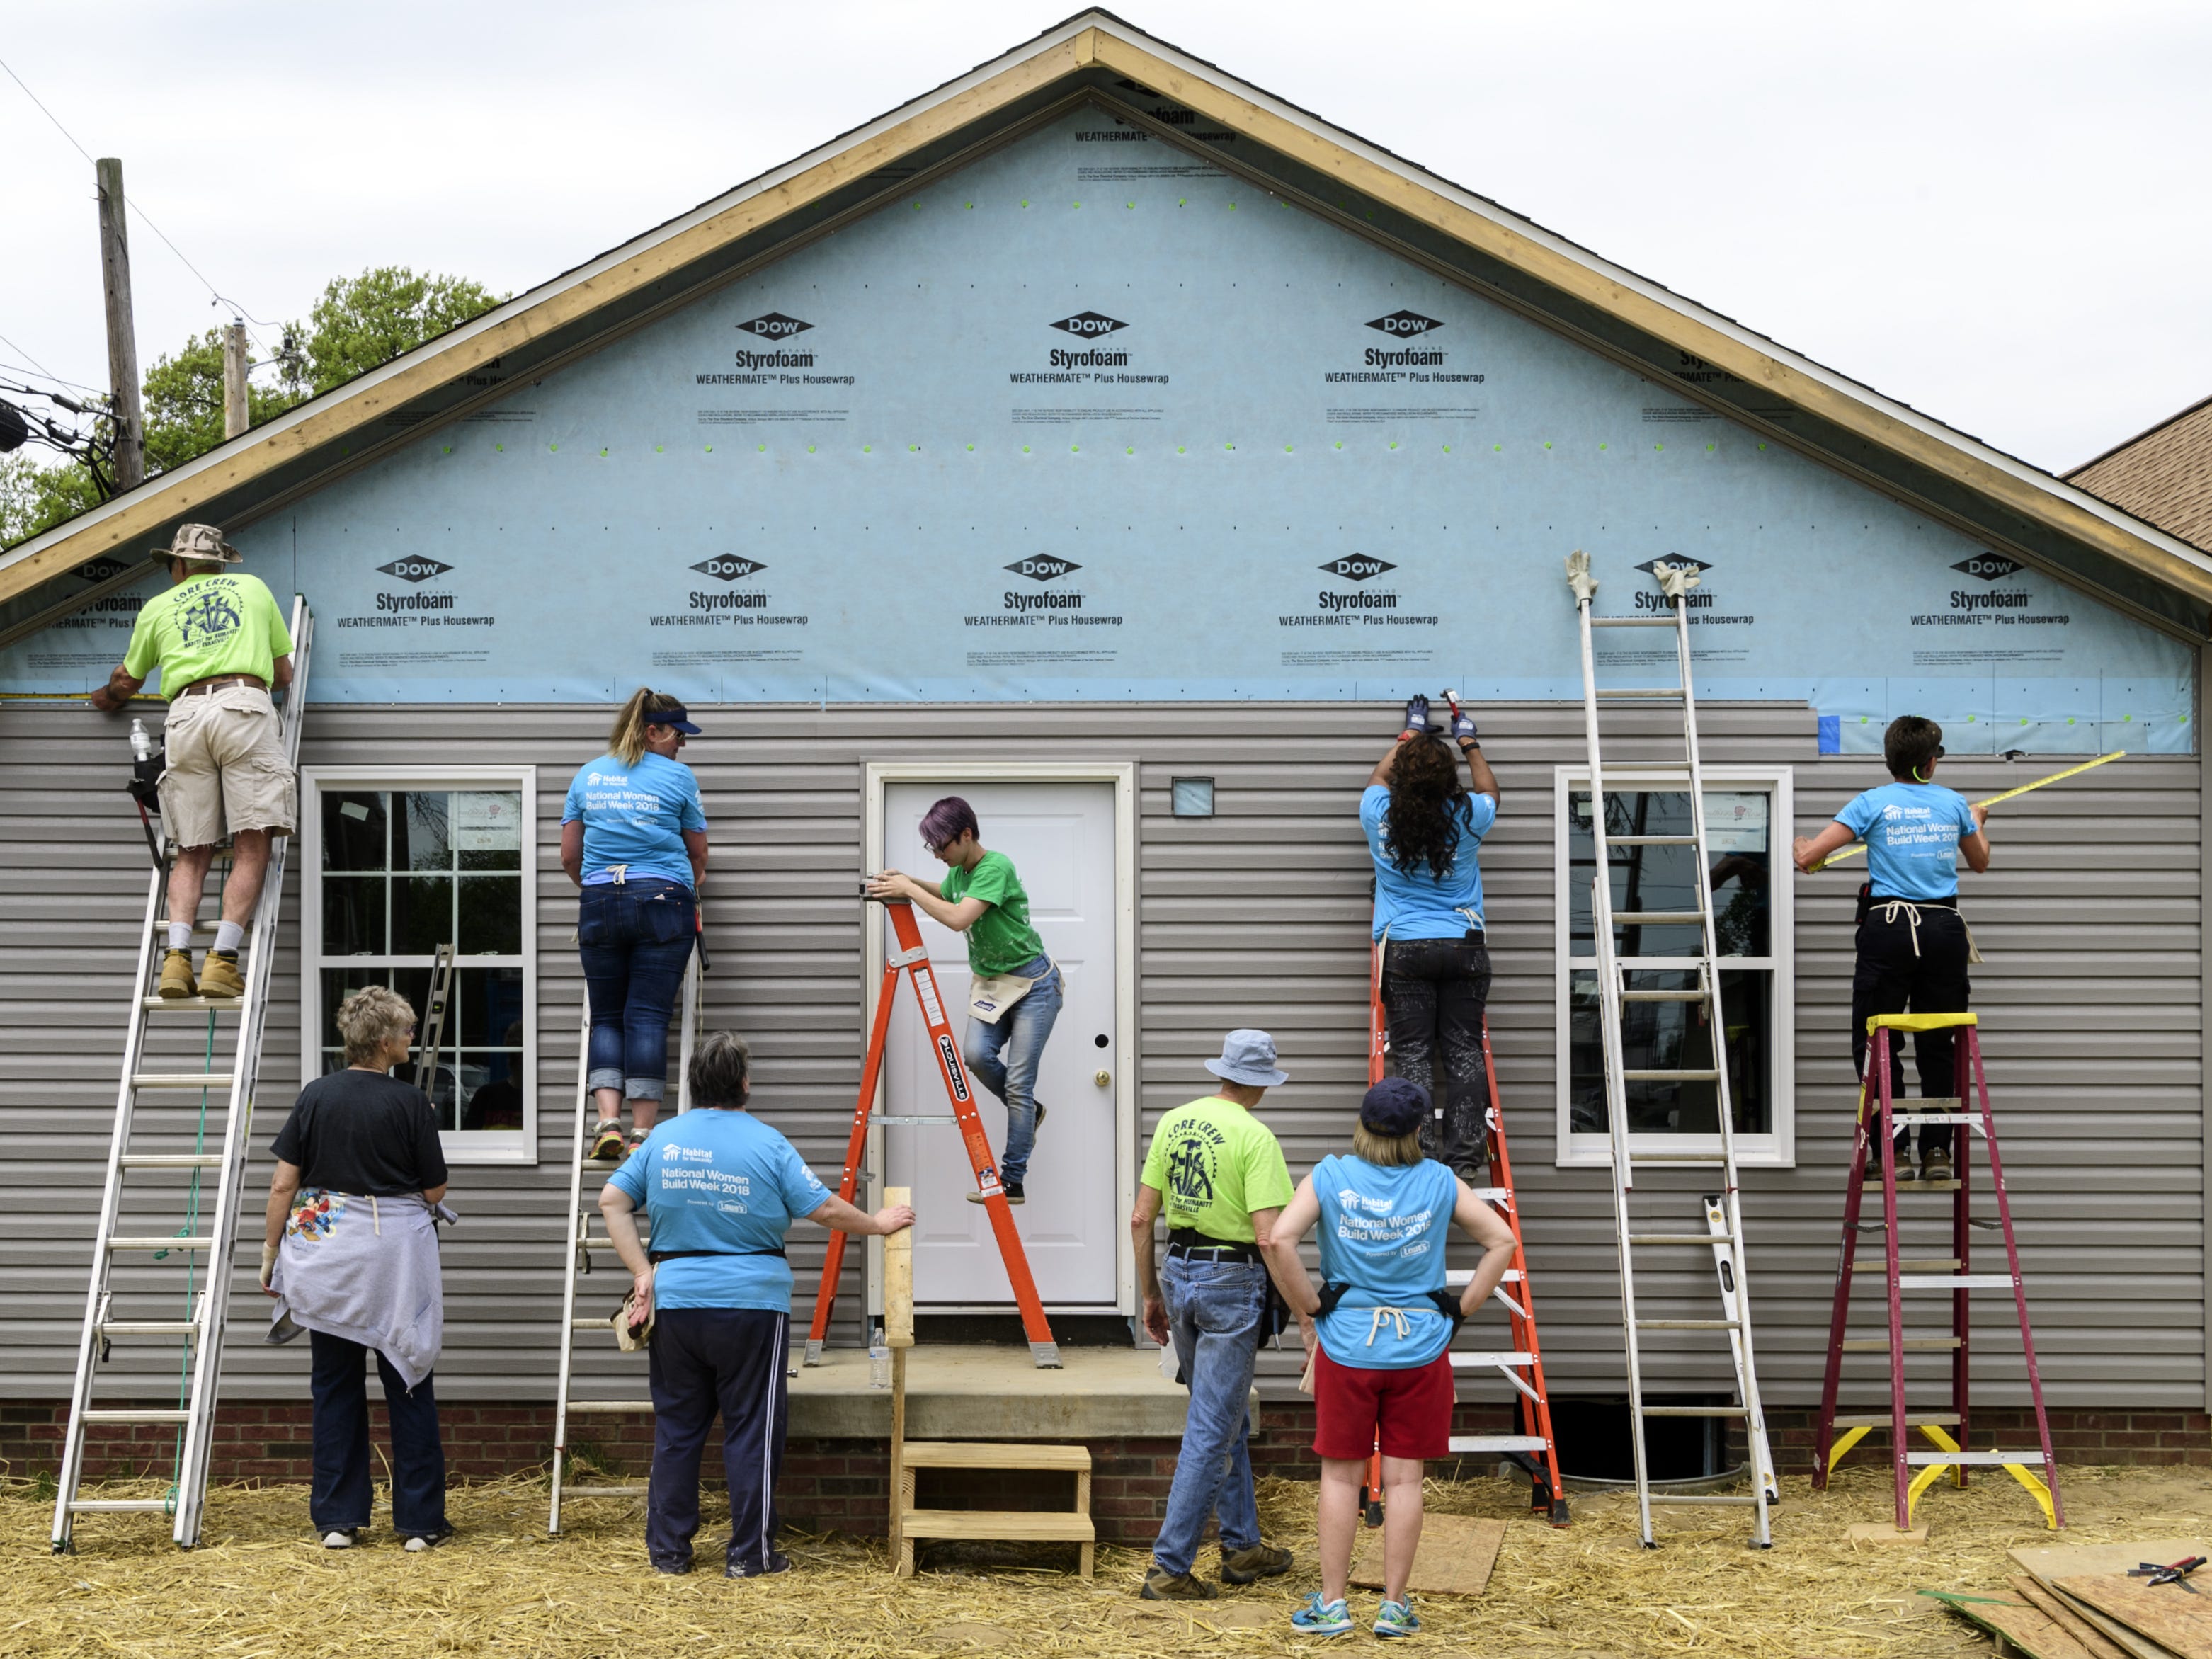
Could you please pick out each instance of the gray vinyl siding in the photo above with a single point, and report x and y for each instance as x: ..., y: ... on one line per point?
x: 2092, y: 993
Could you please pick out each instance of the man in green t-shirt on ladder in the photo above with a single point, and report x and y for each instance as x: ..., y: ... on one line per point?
x: 1014, y: 991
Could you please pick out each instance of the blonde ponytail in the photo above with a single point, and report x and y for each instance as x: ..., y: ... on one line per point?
x: 627, y: 740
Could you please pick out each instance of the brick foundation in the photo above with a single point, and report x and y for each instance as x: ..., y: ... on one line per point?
x: 843, y: 1485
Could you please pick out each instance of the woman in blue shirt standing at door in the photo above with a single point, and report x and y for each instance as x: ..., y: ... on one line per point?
x: 1424, y: 827
x: 1913, y: 945
x: 634, y: 837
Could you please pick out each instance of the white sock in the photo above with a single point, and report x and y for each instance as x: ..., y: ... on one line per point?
x: 181, y: 936
x: 227, y: 934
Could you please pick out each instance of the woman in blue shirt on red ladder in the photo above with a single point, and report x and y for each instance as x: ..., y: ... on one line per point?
x: 1913, y: 945
x: 634, y: 838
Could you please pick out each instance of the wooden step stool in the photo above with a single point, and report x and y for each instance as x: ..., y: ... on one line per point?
x: 1013, y: 1526
x: 1021, y: 1526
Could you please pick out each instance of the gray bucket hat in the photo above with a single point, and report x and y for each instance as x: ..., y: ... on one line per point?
x: 1247, y: 1057
x: 197, y: 541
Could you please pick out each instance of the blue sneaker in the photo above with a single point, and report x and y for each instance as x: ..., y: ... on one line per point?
x: 1396, y: 1619
x: 1320, y: 1618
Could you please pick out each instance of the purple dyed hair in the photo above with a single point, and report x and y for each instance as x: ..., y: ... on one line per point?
x: 943, y: 823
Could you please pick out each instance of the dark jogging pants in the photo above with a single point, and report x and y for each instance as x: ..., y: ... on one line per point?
x: 707, y: 1360
x: 1433, y: 994
x: 1892, y: 978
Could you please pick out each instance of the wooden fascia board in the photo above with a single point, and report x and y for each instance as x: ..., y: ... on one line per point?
x: 1594, y: 287
x: 144, y: 511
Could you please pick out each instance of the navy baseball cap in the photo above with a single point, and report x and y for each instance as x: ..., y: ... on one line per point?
x: 679, y: 717
x: 1395, y: 1106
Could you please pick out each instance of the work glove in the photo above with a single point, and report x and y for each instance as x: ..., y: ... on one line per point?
x: 1462, y: 727
x: 268, y: 1264
x: 1417, y: 715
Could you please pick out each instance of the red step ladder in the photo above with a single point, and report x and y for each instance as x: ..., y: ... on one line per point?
x: 1953, y: 1273
x: 911, y: 959
x: 1533, y: 1447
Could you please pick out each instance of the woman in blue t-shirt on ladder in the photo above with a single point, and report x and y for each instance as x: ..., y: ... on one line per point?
x: 1424, y: 828
x: 634, y: 837
x: 1913, y: 945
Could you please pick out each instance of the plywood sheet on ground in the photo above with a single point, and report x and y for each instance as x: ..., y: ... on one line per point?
x: 2017, y: 1620
x: 1455, y: 1555
x: 2056, y: 1609
x: 2167, y: 1613
x: 2049, y: 1562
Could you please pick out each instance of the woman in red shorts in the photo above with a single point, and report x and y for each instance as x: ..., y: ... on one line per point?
x: 1383, y: 1321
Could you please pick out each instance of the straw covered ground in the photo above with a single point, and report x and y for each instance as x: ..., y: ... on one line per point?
x: 260, y: 1585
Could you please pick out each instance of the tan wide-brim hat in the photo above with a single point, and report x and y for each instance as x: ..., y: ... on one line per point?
x: 197, y: 541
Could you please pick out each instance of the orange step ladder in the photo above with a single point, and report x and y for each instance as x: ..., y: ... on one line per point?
x: 911, y: 959
x: 1533, y: 1447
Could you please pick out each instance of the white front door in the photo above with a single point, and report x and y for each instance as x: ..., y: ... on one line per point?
x: 1060, y: 837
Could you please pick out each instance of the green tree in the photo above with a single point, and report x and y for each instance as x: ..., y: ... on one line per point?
x: 359, y: 323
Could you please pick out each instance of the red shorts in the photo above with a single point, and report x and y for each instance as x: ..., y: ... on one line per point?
x: 1412, y: 1407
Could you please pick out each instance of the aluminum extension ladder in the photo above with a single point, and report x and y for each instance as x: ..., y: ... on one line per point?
x: 911, y: 959
x: 150, y: 1140
x: 1968, y: 1112
x: 580, y: 1241
x: 1723, y: 1211
x: 1533, y: 1447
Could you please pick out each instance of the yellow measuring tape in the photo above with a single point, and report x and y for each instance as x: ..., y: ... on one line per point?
x: 1857, y: 848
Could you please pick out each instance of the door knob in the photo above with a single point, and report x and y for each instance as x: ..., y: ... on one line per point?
x: 1101, y: 1079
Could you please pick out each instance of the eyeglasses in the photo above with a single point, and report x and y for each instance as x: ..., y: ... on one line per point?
x: 411, y: 1030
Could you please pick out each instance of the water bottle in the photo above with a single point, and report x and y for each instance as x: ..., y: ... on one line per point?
x: 879, y: 1364
x: 141, y: 746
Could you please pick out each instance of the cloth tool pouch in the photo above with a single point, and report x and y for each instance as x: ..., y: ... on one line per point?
x: 987, y: 998
x: 629, y: 1335
x: 1866, y: 908
x: 1447, y: 1302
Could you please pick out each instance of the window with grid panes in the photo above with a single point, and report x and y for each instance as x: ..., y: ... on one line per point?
x: 1748, y: 827
x: 401, y: 871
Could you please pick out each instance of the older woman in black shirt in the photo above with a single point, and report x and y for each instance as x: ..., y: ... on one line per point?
x: 351, y: 1253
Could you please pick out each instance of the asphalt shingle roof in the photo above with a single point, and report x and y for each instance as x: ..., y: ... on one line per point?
x: 2163, y: 475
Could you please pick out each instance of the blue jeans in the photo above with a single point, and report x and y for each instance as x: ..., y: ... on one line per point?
x: 635, y: 940
x: 705, y: 1359
x: 338, y: 1498
x: 1004, y: 1058
x: 1213, y: 1319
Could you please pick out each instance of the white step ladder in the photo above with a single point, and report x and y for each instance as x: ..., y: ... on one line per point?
x: 581, y: 1239
x: 153, y: 1139
x: 1722, y: 1232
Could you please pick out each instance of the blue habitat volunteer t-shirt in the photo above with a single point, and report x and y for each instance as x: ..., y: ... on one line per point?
x: 724, y: 1181
x: 1911, y: 832
x: 1382, y: 1233
x: 1414, y: 905
x: 635, y: 815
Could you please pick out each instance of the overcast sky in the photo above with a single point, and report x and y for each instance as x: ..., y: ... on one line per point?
x: 2000, y: 213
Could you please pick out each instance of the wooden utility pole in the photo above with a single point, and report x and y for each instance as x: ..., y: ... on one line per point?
x: 234, y: 417
x: 127, y: 412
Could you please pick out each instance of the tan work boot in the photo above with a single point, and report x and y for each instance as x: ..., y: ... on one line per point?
x: 1249, y: 1566
x: 220, y: 977
x: 177, y: 975
x: 1161, y: 1585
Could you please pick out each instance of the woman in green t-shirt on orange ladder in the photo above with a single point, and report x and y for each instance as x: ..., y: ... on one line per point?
x: 1014, y: 991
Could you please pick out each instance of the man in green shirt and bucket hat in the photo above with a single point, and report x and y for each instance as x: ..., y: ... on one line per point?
x: 1217, y: 1174
x: 223, y: 647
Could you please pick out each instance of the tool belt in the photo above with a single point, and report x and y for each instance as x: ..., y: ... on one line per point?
x: 1195, y: 1246
x: 215, y: 682
x: 656, y: 1257
x: 990, y: 997
x: 1447, y: 1303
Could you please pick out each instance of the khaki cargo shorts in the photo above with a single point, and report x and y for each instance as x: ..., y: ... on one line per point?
x: 225, y: 767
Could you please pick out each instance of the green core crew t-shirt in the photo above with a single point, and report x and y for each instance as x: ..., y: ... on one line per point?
x: 1213, y: 1163
x: 725, y: 1183
x: 634, y: 816
x: 225, y: 622
x: 1911, y: 832
x: 1001, y: 941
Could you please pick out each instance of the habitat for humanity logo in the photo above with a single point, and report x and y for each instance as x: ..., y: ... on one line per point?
x: 414, y: 570
x: 773, y: 326
x: 1043, y: 568
x: 727, y: 567
x: 1358, y: 567
x: 1697, y: 597
x: 1990, y: 567
x: 1089, y: 326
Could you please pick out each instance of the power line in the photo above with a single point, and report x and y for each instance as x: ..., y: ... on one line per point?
x: 34, y: 362
x: 214, y: 293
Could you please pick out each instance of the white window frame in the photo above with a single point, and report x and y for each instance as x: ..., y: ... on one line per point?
x: 511, y: 1147
x: 1776, y: 1149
